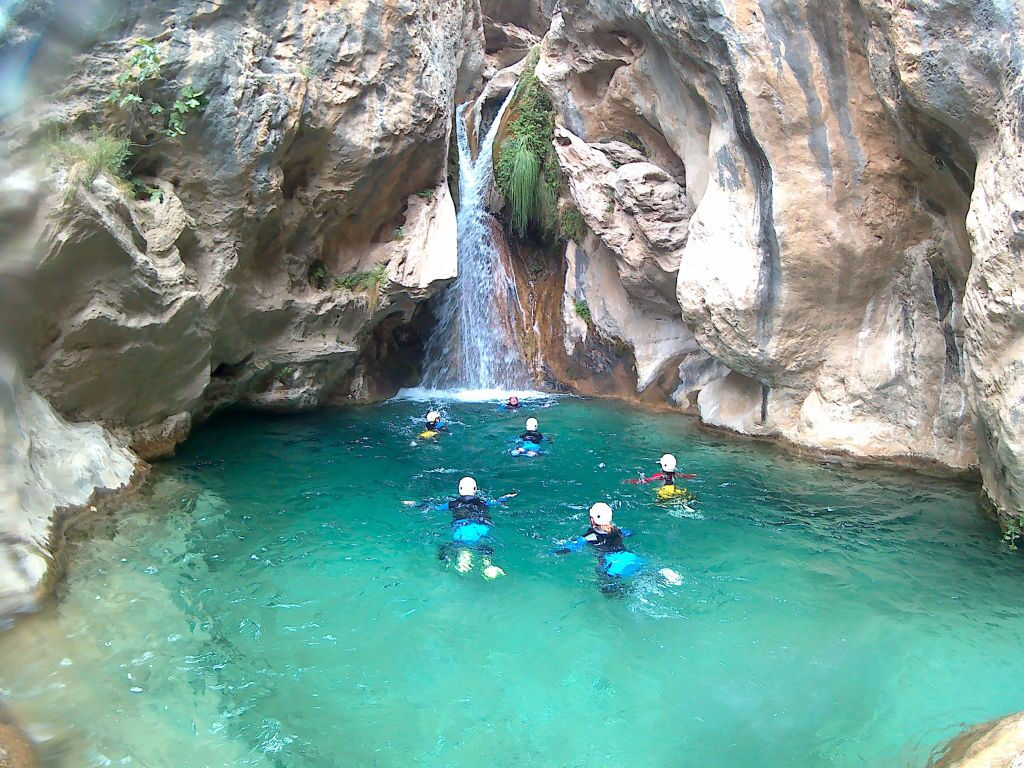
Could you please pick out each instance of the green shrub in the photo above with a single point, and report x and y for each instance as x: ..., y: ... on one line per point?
x: 426, y: 194
x: 317, y: 275
x: 87, y: 156
x: 582, y: 310
x: 1013, y: 530
x: 141, y: 96
x: 399, y: 233
x: 571, y: 226
x: 363, y: 281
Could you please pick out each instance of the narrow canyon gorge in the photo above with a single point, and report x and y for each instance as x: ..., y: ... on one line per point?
x: 797, y: 221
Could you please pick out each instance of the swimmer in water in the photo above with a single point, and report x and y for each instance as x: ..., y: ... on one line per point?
x: 435, y: 425
x: 531, y: 441
x: 471, y: 527
x: 615, y: 562
x: 512, y: 404
x: 668, y: 475
x: 606, y: 539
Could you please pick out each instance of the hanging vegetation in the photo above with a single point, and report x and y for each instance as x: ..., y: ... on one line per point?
x: 527, y: 170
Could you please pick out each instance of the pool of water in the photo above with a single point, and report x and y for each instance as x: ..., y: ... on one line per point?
x: 268, y: 601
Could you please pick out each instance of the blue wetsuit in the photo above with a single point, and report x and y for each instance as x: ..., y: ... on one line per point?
x: 615, y: 562
x: 471, y: 521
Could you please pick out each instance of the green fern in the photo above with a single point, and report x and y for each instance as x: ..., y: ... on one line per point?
x: 527, y: 170
x: 521, y: 185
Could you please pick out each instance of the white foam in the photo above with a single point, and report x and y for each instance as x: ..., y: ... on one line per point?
x: 486, y: 395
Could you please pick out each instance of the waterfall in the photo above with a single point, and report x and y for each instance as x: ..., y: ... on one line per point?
x: 476, y: 342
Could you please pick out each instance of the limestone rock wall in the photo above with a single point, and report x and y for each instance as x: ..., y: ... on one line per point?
x: 320, y: 151
x: 46, y: 465
x: 303, y: 223
x: 805, y: 174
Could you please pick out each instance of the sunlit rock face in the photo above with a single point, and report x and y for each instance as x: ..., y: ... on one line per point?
x: 319, y: 154
x: 996, y: 744
x: 823, y: 158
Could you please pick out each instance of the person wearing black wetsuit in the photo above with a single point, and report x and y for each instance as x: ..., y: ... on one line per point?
x: 469, y: 507
x: 605, y: 539
x: 532, y: 436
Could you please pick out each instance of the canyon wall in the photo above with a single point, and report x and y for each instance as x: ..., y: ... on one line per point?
x: 279, y: 253
x: 803, y: 220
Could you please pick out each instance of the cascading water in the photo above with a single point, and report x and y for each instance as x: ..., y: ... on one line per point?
x: 476, y: 344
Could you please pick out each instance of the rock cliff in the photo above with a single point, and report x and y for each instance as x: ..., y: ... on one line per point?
x: 803, y: 219
x: 278, y: 252
x: 796, y: 219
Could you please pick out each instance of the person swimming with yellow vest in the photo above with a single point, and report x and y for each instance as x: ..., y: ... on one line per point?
x: 669, y: 489
x: 434, y: 427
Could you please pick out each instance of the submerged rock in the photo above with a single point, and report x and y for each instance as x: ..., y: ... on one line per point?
x: 996, y: 744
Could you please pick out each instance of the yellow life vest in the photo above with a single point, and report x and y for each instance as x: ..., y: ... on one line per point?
x: 667, y: 492
x: 429, y: 433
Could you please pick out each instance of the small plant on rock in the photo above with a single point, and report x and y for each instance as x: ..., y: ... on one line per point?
x: 1013, y: 531
x: 571, y: 226
x: 317, y: 275
x: 364, y: 281
x: 426, y: 194
x: 144, y: 100
x: 87, y: 156
x: 583, y: 311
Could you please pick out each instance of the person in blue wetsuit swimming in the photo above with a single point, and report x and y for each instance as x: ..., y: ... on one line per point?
x: 531, y: 442
x: 471, y: 528
x: 615, y: 562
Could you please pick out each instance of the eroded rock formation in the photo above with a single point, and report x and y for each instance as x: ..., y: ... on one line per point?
x: 287, y: 245
x: 780, y: 193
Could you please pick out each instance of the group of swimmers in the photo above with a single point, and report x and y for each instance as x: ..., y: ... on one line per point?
x: 471, y: 521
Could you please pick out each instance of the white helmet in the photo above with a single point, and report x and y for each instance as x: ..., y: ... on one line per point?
x: 433, y: 416
x: 531, y: 425
x: 467, y: 487
x: 668, y: 463
x: 601, y: 514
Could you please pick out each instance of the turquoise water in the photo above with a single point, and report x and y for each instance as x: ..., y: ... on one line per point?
x: 269, y: 602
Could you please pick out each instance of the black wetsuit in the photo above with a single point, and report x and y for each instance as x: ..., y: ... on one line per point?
x: 669, y: 478
x: 606, y: 542
x: 469, y: 508
x: 532, y: 436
